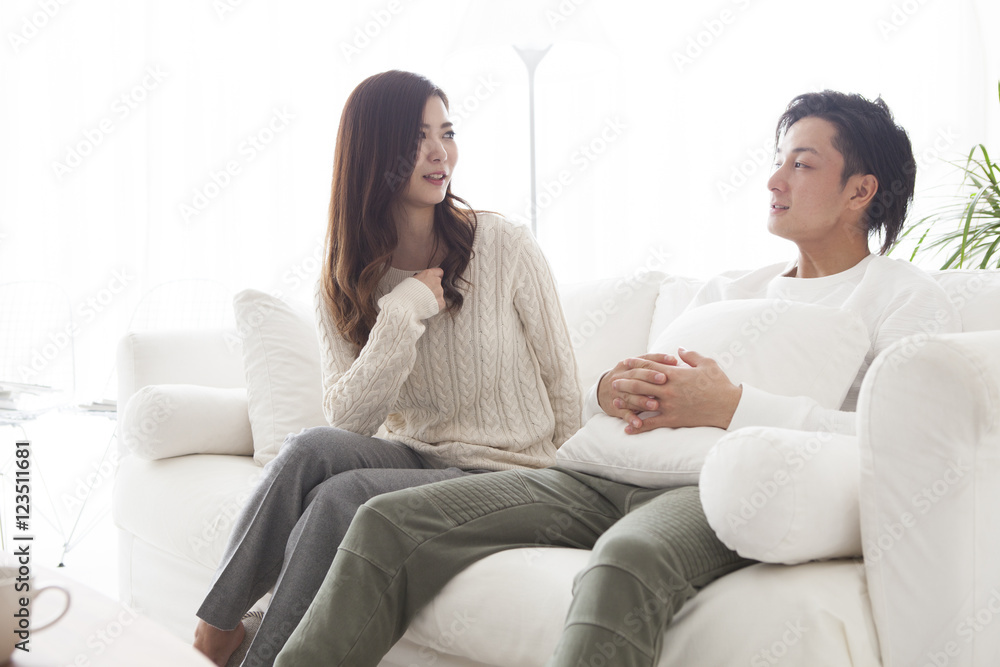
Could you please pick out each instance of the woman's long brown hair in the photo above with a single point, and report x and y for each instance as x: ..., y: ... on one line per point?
x: 375, y: 156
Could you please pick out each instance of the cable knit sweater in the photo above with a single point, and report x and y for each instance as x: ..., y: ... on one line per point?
x: 493, y: 386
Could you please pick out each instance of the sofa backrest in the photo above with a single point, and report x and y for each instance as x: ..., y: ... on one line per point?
x: 976, y: 295
x: 616, y: 318
x: 609, y: 319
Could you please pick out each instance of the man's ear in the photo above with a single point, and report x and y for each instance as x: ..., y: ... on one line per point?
x: 862, y: 189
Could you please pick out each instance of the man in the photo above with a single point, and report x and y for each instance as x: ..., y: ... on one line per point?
x: 844, y: 171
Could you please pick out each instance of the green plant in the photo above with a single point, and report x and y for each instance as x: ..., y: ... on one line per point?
x: 971, y: 220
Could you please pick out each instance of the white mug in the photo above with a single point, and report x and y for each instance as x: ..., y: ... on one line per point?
x: 17, y: 590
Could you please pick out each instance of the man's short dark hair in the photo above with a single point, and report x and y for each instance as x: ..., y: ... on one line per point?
x: 871, y: 143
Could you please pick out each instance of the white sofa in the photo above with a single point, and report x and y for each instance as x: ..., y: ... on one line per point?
x: 927, y: 594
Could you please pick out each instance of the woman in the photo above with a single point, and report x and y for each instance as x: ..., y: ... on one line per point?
x: 436, y: 323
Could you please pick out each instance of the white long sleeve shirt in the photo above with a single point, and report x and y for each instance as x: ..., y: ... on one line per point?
x: 894, y: 298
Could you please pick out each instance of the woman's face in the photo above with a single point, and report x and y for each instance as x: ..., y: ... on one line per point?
x: 437, y: 155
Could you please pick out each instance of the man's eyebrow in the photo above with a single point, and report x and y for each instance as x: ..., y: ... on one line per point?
x: 803, y: 149
x: 443, y: 125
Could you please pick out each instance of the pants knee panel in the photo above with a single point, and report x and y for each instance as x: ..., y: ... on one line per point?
x: 398, y: 506
x: 624, y: 549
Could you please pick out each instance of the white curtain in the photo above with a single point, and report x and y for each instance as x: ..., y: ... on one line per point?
x: 143, y: 142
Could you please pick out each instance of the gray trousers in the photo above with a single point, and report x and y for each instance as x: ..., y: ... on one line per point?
x: 652, y: 550
x: 288, y: 532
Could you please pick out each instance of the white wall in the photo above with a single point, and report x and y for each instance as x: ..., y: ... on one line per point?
x: 165, y: 95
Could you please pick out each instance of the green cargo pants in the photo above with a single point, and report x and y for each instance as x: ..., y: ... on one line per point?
x: 652, y: 550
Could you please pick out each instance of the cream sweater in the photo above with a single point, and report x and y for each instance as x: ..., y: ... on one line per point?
x: 493, y: 386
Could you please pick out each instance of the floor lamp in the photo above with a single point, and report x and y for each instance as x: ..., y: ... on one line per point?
x: 531, y: 30
x: 531, y: 58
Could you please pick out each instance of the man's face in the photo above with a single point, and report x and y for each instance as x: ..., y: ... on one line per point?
x: 808, y: 204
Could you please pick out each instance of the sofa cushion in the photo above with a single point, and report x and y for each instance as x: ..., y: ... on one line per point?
x: 608, y: 320
x: 780, y: 347
x: 509, y: 608
x: 164, y: 420
x: 282, y: 363
x: 783, y: 496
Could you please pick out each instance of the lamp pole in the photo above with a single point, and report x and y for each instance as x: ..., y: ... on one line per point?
x: 531, y: 57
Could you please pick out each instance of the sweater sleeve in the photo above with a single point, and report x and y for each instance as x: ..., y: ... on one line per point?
x: 537, y: 303
x: 360, y: 390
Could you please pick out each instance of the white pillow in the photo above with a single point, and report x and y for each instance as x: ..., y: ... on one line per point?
x: 784, y: 496
x: 167, y: 420
x: 656, y: 459
x: 676, y: 293
x: 781, y: 347
x: 282, y: 364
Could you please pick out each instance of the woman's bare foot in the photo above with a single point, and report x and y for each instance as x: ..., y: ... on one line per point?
x: 217, y: 644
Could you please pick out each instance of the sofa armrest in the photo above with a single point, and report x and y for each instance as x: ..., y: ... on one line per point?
x: 165, y: 420
x: 210, y: 357
x: 929, y: 428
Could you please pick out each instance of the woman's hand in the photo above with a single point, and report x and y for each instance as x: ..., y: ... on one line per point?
x: 432, y: 278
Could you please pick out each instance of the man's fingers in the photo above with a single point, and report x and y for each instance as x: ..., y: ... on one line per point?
x: 647, y: 375
x: 627, y: 416
x: 641, y: 362
x: 637, y: 367
x: 648, y: 424
x: 637, y: 402
x: 690, y: 357
x: 625, y: 386
x: 667, y: 359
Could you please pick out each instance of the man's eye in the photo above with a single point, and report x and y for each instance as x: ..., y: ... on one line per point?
x: 450, y: 134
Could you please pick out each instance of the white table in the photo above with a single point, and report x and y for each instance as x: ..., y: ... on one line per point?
x: 98, y: 631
